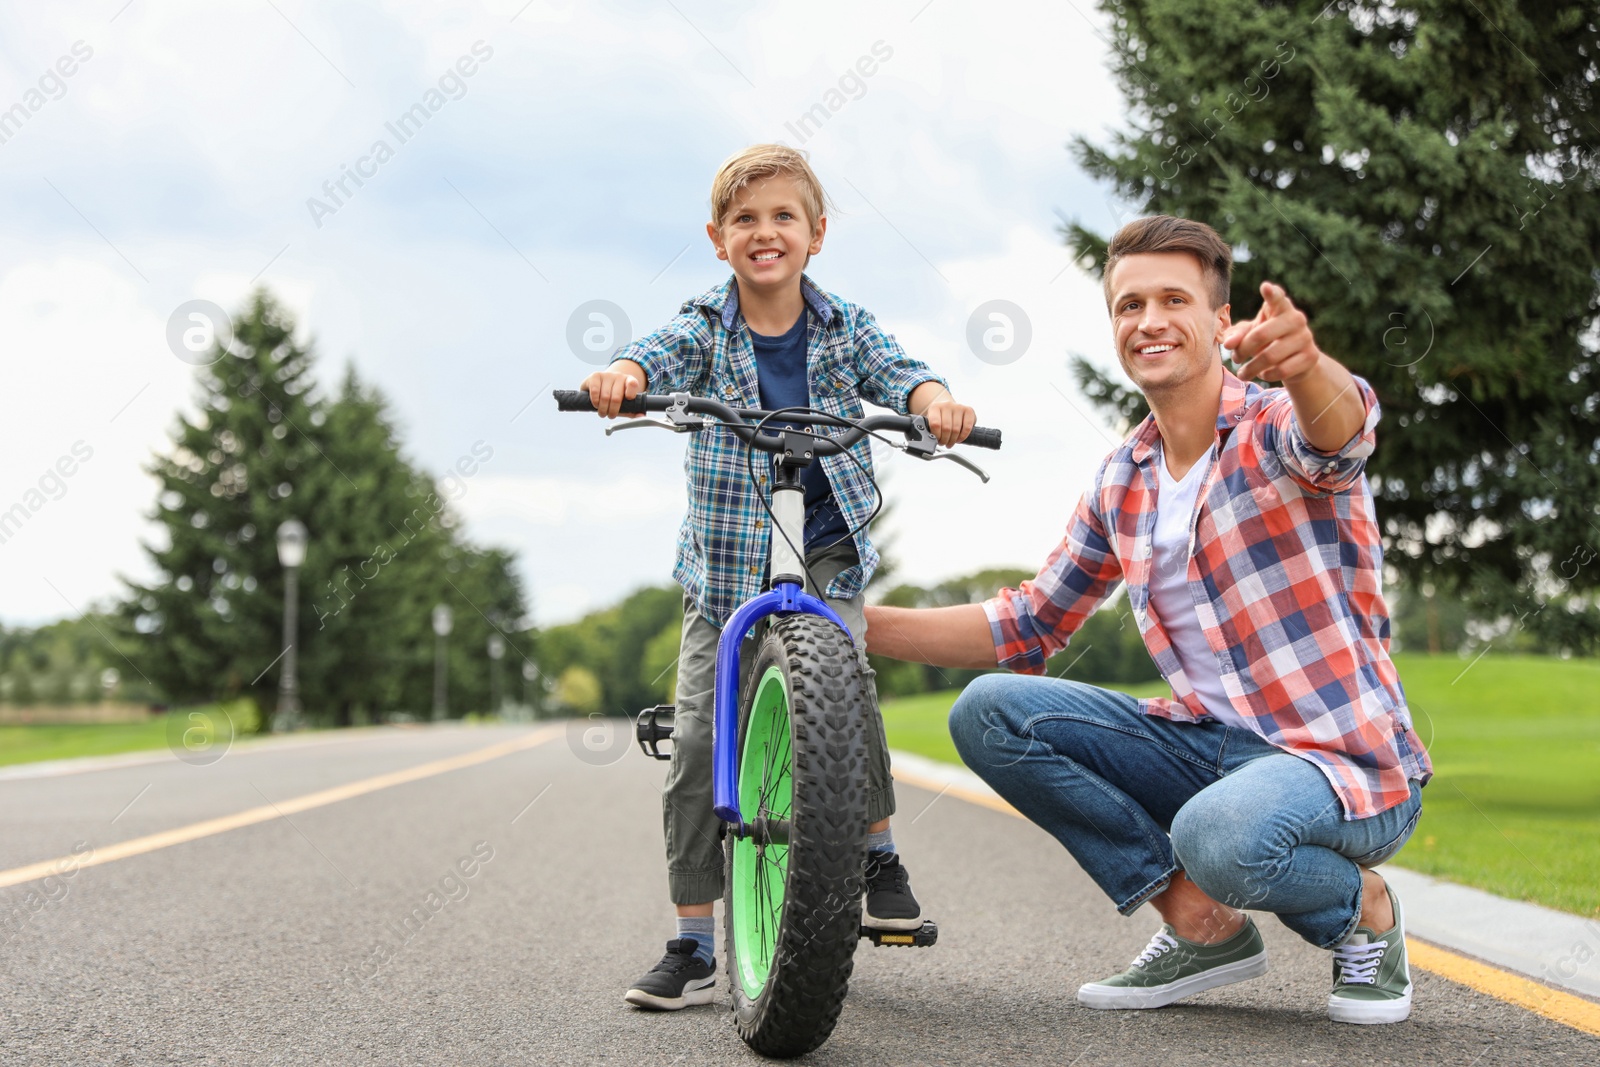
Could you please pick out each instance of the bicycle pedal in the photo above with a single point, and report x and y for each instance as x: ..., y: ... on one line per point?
x: 650, y: 731
x: 927, y: 935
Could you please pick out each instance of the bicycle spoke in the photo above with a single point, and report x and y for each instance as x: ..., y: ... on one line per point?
x: 761, y: 862
x: 766, y: 770
x: 761, y: 896
x: 784, y: 771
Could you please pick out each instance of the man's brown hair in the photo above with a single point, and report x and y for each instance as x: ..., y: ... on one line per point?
x: 1166, y: 233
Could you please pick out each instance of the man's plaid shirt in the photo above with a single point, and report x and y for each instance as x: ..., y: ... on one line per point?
x: 1285, y: 573
x: 706, y: 351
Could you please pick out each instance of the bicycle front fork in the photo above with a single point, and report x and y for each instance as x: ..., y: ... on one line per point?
x: 786, y: 597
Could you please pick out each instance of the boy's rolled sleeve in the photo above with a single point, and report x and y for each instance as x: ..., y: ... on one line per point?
x: 1313, y: 469
x: 1033, y: 622
x: 673, y: 358
x: 889, y: 375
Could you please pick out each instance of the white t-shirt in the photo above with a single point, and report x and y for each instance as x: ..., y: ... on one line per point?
x: 1169, y: 590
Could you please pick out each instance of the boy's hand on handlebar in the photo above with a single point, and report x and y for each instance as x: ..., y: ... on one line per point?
x: 608, y: 388
x: 948, y: 421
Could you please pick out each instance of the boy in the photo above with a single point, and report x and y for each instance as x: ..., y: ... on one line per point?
x: 767, y: 338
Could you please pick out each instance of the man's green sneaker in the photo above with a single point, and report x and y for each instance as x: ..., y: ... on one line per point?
x: 1371, y: 982
x: 1171, y: 968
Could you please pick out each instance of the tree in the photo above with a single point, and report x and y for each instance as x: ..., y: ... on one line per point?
x: 622, y: 647
x: 1425, y: 621
x: 73, y: 661
x: 1421, y: 177
x: 214, y: 619
x: 389, y: 549
x: 578, y: 691
x: 660, y: 662
x: 384, y: 546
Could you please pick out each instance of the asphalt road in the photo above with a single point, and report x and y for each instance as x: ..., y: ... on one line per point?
x: 284, y: 942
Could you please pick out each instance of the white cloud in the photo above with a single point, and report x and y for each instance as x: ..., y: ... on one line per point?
x: 86, y: 363
x: 559, y: 501
x: 576, y: 166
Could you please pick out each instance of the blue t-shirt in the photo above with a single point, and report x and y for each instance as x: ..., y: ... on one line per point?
x: 781, y: 380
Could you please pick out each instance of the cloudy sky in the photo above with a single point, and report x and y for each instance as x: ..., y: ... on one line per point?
x: 186, y: 157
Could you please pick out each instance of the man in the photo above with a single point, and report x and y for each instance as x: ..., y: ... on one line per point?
x: 1284, y: 767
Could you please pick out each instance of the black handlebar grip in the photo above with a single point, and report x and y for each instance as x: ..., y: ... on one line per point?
x: 572, y: 400
x: 983, y: 437
x: 578, y: 400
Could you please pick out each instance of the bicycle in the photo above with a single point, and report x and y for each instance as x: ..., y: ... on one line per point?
x: 792, y: 750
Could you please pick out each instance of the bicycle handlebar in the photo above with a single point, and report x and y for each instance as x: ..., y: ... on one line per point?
x: 735, y: 420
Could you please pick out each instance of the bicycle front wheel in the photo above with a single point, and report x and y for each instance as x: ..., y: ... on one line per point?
x: 793, y: 907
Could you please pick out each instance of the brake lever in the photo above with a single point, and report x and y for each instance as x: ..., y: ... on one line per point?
x: 921, y: 443
x: 635, y: 424
x: 954, y: 458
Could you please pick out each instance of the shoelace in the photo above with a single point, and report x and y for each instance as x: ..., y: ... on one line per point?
x: 1358, y: 964
x: 676, y: 959
x: 887, y: 876
x: 1161, y: 943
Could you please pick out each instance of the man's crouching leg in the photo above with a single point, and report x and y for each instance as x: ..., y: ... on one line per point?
x: 1272, y: 837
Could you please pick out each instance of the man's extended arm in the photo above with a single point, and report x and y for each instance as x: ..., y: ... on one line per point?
x: 1018, y: 629
x: 1277, y: 345
x: 945, y: 637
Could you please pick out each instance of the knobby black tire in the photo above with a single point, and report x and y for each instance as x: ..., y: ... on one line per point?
x: 799, y: 1006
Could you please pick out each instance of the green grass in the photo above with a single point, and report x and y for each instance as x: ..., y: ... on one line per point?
x: 51, y: 741
x: 25, y: 744
x: 1514, y: 806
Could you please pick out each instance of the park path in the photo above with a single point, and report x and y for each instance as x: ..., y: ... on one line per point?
x: 294, y: 938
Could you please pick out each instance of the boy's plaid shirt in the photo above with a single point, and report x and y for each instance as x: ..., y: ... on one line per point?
x: 1285, y: 574
x: 706, y: 351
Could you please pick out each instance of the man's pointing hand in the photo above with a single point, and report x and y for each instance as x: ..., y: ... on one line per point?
x: 1277, y: 344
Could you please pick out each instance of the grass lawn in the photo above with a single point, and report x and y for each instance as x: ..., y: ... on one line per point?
x: 25, y: 744
x: 1514, y: 806
x: 49, y: 741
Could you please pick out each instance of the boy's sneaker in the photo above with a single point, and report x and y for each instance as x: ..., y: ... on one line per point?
x: 678, y: 981
x: 890, y: 905
x: 1172, y: 967
x: 1371, y: 981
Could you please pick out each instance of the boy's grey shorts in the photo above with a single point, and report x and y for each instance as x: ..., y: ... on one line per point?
x: 694, y: 852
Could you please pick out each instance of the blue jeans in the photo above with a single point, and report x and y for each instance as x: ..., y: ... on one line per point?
x: 1253, y: 826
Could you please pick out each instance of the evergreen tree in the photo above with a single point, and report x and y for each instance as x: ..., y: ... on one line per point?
x: 384, y: 547
x: 1421, y: 178
x: 215, y: 620
x: 380, y: 548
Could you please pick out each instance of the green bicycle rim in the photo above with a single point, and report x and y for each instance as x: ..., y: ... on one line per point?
x: 766, y: 789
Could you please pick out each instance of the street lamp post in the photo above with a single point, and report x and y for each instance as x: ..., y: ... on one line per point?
x: 497, y: 651
x: 530, y: 674
x: 292, y: 540
x: 442, y: 621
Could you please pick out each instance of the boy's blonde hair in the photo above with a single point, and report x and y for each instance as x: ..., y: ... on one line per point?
x: 758, y: 163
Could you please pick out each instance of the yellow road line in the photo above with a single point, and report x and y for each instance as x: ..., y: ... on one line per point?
x: 1573, y: 1011
x: 267, y: 812
x: 938, y: 785
x: 1554, y: 1004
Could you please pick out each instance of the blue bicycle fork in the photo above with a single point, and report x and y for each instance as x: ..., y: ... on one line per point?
x: 786, y: 597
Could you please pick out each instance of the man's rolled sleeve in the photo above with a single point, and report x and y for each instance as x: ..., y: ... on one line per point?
x: 1316, y: 470
x: 673, y: 357
x: 1033, y: 622
x: 888, y: 374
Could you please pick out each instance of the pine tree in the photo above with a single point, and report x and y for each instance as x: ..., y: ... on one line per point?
x: 1421, y: 178
x: 384, y: 546
x: 215, y: 620
x: 367, y: 616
